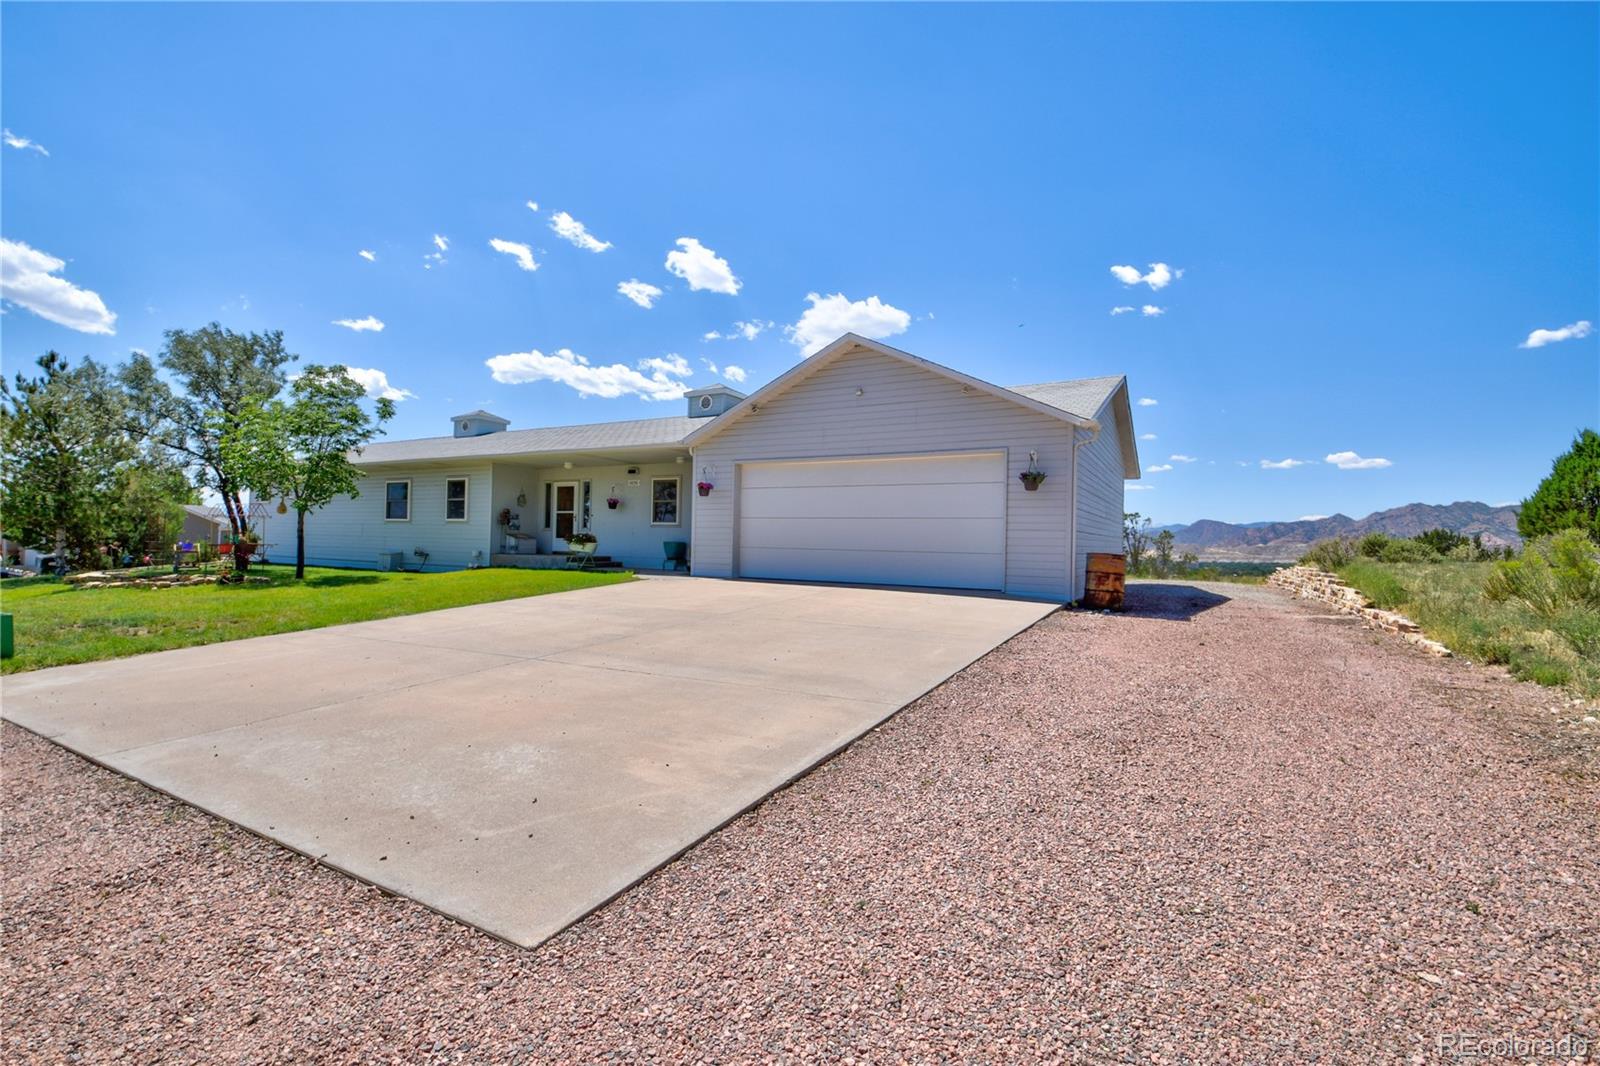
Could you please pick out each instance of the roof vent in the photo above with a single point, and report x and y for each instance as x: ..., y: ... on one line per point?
x: 478, y: 424
x: 711, y: 400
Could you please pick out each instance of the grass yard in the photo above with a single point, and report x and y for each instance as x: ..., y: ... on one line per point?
x: 57, y: 624
x: 1446, y: 599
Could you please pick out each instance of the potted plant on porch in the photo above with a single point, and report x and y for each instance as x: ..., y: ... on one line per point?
x: 582, y: 542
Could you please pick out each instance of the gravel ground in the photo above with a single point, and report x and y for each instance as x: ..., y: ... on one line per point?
x: 1205, y: 830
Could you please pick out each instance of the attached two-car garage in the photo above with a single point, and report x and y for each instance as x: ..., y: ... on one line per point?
x: 936, y: 520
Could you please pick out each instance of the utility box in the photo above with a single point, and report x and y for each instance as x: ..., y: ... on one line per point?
x: 392, y: 561
x: 7, y: 648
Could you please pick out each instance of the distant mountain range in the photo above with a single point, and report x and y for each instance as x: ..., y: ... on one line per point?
x: 1285, y: 541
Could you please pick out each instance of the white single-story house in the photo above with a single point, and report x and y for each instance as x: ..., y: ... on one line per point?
x: 862, y: 464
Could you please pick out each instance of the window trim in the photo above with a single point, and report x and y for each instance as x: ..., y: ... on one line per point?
x: 677, y: 500
x: 466, y: 496
x: 396, y: 481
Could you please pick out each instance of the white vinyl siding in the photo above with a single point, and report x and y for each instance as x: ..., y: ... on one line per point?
x: 924, y: 520
x: 352, y: 531
x: 901, y: 410
x: 1100, y: 494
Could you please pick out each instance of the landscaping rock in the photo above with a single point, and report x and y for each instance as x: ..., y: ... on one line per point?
x: 1312, y: 583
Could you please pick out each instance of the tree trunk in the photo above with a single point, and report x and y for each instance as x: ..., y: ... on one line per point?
x: 61, y: 551
x: 299, y: 545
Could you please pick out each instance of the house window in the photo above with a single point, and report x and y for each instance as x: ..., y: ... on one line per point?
x: 455, y: 499
x: 549, y: 503
x: 663, y: 501
x: 397, y: 501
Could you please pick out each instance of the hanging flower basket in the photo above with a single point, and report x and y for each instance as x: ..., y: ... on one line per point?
x: 1031, y: 479
x: 613, y: 503
x: 704, y: 487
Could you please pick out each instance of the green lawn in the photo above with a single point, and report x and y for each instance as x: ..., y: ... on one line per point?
x: 1446, y: 599
x: 57, y: 624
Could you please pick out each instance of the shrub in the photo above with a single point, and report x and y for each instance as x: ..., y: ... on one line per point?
x: 1400, y: 550
x: 1554, y: 574
x: 1442, y: 541
x: 1330, y: 554
x: 1372, y: 545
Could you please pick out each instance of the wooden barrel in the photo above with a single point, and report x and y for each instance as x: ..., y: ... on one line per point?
x: 1103, y: 585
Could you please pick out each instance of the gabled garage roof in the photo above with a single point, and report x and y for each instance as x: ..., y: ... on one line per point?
x: 851, y: 342
x: 1093, y: 396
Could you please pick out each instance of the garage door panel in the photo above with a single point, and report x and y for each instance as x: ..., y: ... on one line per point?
x: 979, y: 535
x: 851, y: 502
x: 919, y: 470
x: 934, y: 520
x: 942, y: 569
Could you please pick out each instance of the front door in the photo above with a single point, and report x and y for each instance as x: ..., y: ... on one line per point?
x: 566, y: 511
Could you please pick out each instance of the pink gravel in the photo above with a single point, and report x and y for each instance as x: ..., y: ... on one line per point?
x: 1245, y: 833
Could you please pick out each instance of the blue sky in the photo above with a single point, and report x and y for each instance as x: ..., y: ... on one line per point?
x: 1371, y: 206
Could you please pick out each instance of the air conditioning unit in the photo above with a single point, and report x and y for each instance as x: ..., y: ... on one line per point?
x: 392, y: 561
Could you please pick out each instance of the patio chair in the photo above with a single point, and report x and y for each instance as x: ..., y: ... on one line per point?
x: 677, y: 555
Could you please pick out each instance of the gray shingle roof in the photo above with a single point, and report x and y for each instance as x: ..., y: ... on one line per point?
x: 594, y: 437
x: 1083, y: 397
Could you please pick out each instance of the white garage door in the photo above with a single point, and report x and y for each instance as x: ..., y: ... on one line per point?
x: 927, y: 520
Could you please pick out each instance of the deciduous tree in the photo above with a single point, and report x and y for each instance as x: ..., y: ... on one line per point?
x: 299, y: 450
x: 220, y: 374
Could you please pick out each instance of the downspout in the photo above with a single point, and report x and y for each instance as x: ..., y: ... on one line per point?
x: 1073, y: 595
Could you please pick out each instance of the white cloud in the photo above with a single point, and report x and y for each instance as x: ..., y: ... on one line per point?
x: 830, y: 316
x: 1158, y: 277
x: 710, y: 365
x: 369, y: 256
x: 640, y: 292
x: 1311, y: 518
x: 748, y: 331
x: 376, y: 382
x: 1152, y: 311
x: 360, y: 325
x: 1145, y: 401
x: 1281, y: 464
x: 1123, y: 309
x: 28, y: 279
x: 520, y: 252
x: 1182, y: 458
x: 1541, y: 337
x: 1352, y: 461
x: 1506, y: 503
x: 702, y: 268
x: 1158, y: 468
x: 533, y: 205
x: 1139, y: 488
x: 734, y: 373
x: 570, y: 229
x: 1147, y: 436
x: 672, y: 363
x: 441, y: 243
x: 22, y: 142
x: 573, y: 370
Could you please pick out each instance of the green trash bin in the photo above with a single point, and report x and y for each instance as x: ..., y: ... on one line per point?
x: 6, y: 648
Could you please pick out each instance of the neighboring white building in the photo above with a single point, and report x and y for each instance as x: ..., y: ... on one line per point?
x: 862, y: 464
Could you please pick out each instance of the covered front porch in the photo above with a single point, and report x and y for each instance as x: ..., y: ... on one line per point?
x: 636, y: 503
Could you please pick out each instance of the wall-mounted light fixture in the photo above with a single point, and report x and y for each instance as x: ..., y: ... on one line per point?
x: 861, y: 392
x: 567, y: 465
x: 522, y: 497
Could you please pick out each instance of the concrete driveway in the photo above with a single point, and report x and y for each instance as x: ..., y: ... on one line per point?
x: 516, y: 764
